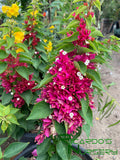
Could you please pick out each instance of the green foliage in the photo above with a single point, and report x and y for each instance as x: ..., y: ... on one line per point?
x: 14, y: 148
x: 7, y: 117
x: 43, y: 147
x: 62, y: 150
x: 40, y: 110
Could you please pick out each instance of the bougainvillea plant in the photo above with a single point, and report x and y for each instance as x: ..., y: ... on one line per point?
x: 61, y: 104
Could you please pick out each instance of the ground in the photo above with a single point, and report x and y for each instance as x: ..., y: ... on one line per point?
x: 100, y: 129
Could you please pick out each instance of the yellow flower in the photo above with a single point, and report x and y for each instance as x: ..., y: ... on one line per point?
x: 49, y: 47
x: 97, y: 118
x: 19, y: 50
x: 5, y: 9
x: 51, y: 27
x: 34, y: 23
x: 34, y: 13
x: 11, y: 11
x: 6, y: 35
x: 45, y: 40
x: 51, y: 31
x: 19, y: 36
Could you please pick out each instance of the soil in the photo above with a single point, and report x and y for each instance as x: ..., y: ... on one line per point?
x: 109, y: 137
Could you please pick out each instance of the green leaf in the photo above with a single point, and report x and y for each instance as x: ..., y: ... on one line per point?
x: 96, y: 34
x: 60, y: 128
x: 22, y: 46
x: 14, y: 148
x: 84, y: 50
x: 40, y: 110
x: 77, y: 1
x: 68, y: 47
x: 4, y: 126
x: 62, y: 150
x: 85, y: 104
x: 114, y: 124
x: 44, y: 57
x: 42, y: 157
x: 6, y: 98
x: 74, y: 157
x: 55, y: 157
x: 6, y: 110
x: 11, y: 118
x: 44, y: 146
x: 88, y: 117
x: 86, y: 128
x: 72, y: 24
x: 3, y: 54
x: 1, y: 155
x: 10, y: 42
x: 48, y: 78
x: 98, y: 59
x: 13, y: 53
x: 27, y: 96
x: 23, y: 71
x: 97, y: 4
x: 72, y: 38
x: 2, y: 140
x: 93, y: 45
x: 77, y: 66
x: 92, y: 74
x: 83, y: 67
x: 3, y: 67
x: 2, y: 41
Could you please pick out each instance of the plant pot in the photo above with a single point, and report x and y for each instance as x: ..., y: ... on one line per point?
x: 27, y: 152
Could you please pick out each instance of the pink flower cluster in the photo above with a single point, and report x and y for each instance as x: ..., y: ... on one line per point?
x: 82, y: 41
x: 64, y: 94
x: 32, y: 34
x: 13, y: 83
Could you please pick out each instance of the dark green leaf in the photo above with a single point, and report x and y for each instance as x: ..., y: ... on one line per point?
x: 3, y: 67
x: 6, y: 98
x: 14, y: 148
x: 114, y: 124
x: 74, y: 157
x: 44, y: 56
x: 88, y: 117
x: 3, y: 54
x: 40, y: 110
x: 42, y: 157
x: 62, y: 150
x: 48, y: 78
x: 92, y: 74
x: 86, y: 128
x: 55, y: 157
x: 23, y: 71
x: 85, y: 104
x: 60, y: 128
x: 44, y: 146
x: 2, y: 140
x: 27, y: 96
x: 83, y: 67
